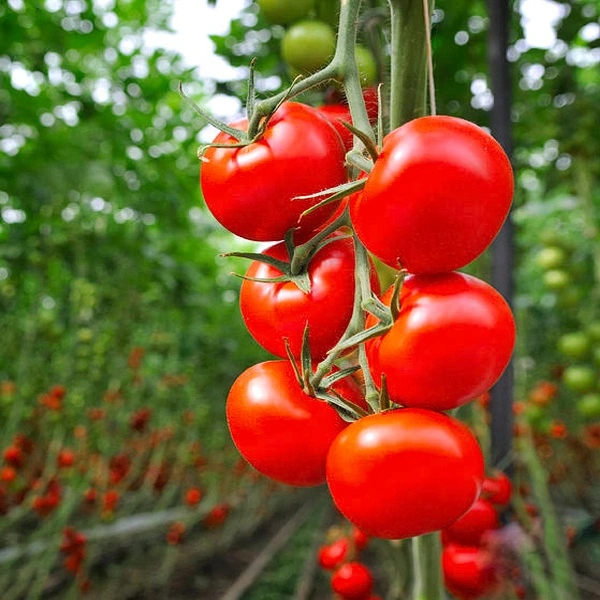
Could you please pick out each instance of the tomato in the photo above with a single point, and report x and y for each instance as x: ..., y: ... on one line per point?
x: 551, y: 257
x: 497, y: 489
x: 556, y: 279
x: 436, y: 197
x: 469, y: 572
x: 307, y: 46
x: 588, y: 405
x: 251, y: 190
x: 280, y: 310
x: 452, y: 340
x: 284, y: 12
x: 575, y: 344
x: 404, y: 472
x: 367, y: 67
x: 332, y: 555
x: 472, y: 527
x: 580, y: 378
x: 352, y: 581
x: 282, y: 432
x: 336, y: 113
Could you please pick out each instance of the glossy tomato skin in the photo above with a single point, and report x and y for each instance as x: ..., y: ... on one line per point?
x: 469, y: 571
x: 282, y: 432
x: 472, y: 528
x: 336, y: 113
x: 436, y: 197
x: 404, y: 472
x: 353, y: 581
x: 452, y: 340
x: 251, y: 190
x: 497, y: 488
x: 275, y: 311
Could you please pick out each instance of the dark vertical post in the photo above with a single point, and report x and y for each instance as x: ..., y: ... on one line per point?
x: 502, y: 248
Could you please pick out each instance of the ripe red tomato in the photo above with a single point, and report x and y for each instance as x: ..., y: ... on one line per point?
x: 405, y: 472
x: 469, y: 572
x: 275, y: 311
x: 336, y: 113
x: 332, y: 555
x: 251, y: 190
x: 497, y: 489
x: 352, y: 581
x: 437, y: 195
x: 452, y: 340
x: 474, y: 525
x: 282, y: 432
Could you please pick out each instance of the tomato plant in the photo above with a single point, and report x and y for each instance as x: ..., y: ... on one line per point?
x: 404, y: 472
x: 280, y: 430
x: 437, y: 196
x: 250, y: 190
x: 276, y: 311
x: 452, y: 339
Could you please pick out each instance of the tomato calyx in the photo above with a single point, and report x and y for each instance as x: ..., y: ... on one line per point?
x: 322, y: 386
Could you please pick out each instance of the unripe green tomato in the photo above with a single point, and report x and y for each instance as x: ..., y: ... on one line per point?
x: 588, y: 406
x: 534, y: 414
x: 556, y: 279
x: 551, y: 237
x: 551, y: 257
x: 367, y: 68
x: 596, y: 355
x: 574, y: 345
x: 284, y: 12
x: 593, y: 330
x: 580, y: 378
x: 569, y: 297
x: 307, y: 46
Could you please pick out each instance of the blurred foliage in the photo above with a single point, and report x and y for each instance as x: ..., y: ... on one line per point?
x: 104, y: 243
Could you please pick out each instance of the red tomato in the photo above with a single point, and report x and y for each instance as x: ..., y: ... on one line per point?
x: 336, y: 113
x: 469, y: 572
x: 405, y: 472
x: 472, y: 527
x: 497, y: 489
x: 251, y: 190
x: 437, y: 195
x: 282, y: 432
x: 352, y: 581
x: 275, y: 311
x: 332, y: 555
x: 452, y: 340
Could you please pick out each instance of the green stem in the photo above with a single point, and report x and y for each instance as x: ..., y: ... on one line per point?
x: 408, y: 61
x: 427, y: 567
x: 342, y: 66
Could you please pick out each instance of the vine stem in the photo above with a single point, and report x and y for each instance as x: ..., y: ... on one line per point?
x: 427, y: 567
x: 408, y: 61
x: 342, y: 67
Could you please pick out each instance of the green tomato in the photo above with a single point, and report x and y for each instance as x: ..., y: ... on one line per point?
x: 284, y: 12
x: 589, y: 405
x: 556, y: 279
x: 574, y: 345
x: 580, y: 378
x: 367, y: 67
x: 534, y: 414
x: 307, y: 46
x: 551, y: 257
x: 569, y: 297
x: 593, y: 330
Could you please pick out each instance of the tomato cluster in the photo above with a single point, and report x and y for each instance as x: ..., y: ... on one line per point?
x: 471, y: 563
x: 351, y: 579
x: 357, y: 396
